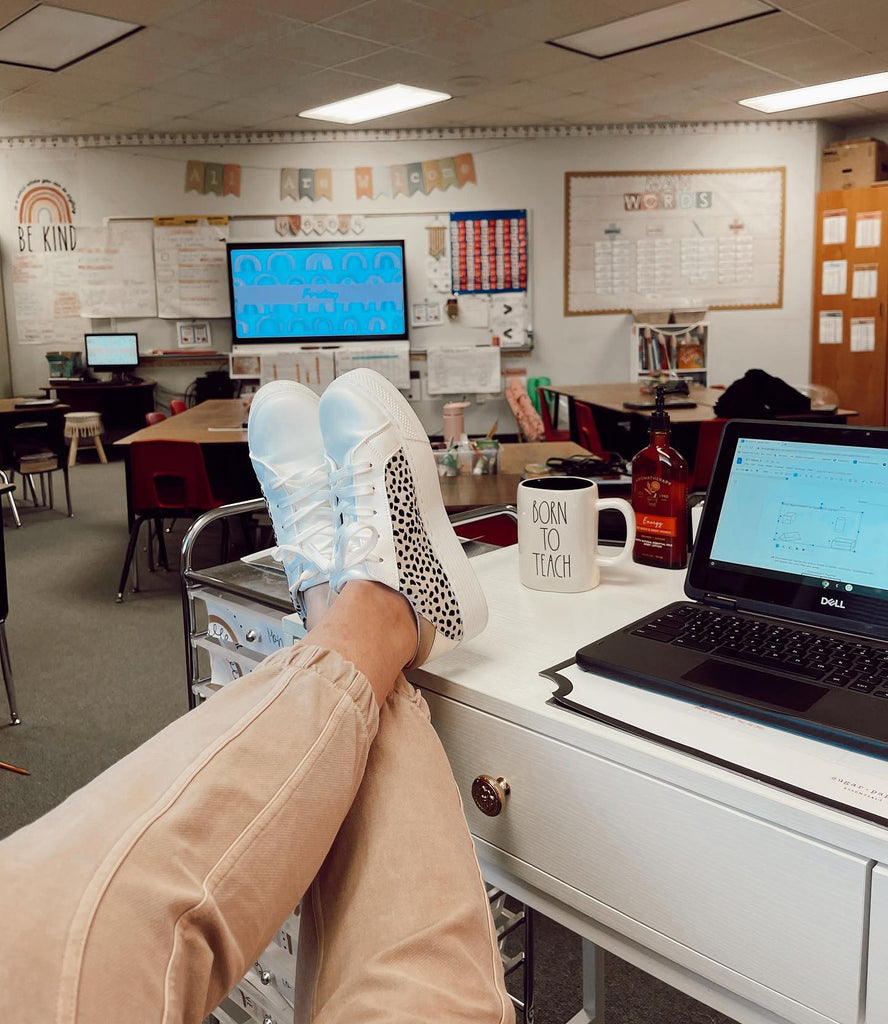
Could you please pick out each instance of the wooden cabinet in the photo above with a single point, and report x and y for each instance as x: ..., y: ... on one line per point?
x: 850, y: 334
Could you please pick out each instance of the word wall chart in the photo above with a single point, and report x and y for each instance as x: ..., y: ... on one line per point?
x: 702, y: 239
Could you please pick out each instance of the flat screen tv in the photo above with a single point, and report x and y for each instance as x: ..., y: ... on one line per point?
x: 317, y: 291
x: 116, y: 354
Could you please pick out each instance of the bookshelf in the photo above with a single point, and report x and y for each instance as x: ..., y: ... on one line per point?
x: 681, y: 350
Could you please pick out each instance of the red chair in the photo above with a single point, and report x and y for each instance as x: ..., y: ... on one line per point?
x: 587, y: 431
x: 154, y: 417
x: 168, y: 479
x: 548, y: 401
x: 177, y: 406
x: 708, y: 441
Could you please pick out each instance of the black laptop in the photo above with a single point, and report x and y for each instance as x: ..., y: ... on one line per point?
x: 788, y: 581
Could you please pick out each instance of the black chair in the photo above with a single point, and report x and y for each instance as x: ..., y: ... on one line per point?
x: 4, y: 611
x: 37, y: 448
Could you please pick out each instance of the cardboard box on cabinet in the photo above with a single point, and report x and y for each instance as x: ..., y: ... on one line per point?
x: 853, y: 163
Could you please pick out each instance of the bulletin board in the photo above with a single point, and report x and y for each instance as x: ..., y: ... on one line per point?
x: 710, y: 239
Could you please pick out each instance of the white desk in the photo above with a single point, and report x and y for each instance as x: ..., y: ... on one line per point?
x: 766, y: 905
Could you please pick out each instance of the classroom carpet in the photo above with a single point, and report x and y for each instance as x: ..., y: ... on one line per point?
x: 96, y: 678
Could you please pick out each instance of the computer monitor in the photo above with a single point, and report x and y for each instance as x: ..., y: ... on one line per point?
x: 317, y: 291
x: 116, y: 354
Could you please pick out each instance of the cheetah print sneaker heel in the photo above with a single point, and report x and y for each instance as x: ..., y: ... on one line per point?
x: 287, y: 453
x: 393, y: 527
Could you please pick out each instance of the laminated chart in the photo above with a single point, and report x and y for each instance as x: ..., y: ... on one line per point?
x: 488, y: 251
x: 665, y: 239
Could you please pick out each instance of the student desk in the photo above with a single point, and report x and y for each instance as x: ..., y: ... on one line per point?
x: 764, y: 903
x: 217, y: 426
x: 626, y: 430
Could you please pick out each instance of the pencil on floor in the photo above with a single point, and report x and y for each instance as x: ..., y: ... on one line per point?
x: 14, y: 768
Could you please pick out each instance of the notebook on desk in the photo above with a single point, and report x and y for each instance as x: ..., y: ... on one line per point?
x: 787, y: 620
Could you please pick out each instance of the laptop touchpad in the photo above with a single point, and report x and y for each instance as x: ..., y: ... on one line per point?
x: 755, y: 685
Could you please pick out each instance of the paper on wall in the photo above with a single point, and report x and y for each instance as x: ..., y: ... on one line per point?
x: 831, y: 326
x: 426, y: 313
x: 391, y: 359
x: 115, y: 273
x: 868, y: 230
x: 863, y: 334
x: 467, y: 369
x: 508, y: 319
x: 313, y: 367
x: 474, y: 311
x: 834, y: 277
x: 190, y: 270
x: 864, y: 281
x: 835, y: 227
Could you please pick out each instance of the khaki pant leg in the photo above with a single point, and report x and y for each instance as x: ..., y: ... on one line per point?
x: 148, y: 893
x: 396, y: 928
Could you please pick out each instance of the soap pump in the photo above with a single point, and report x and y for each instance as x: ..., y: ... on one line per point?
x: 454, y: 426
x: 660, y: 493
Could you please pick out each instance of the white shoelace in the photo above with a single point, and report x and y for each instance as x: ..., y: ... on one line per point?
x: 302, y: 501
x: 357, y: 536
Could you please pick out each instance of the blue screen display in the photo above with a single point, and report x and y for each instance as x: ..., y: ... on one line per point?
x: 302, y: 291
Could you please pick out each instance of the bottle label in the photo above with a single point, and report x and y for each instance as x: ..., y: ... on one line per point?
x: 656, y: 526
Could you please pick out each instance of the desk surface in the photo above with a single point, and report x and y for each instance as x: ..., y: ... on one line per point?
x: 612, y: 396
x: 218, y: 421
x: 8, y: 407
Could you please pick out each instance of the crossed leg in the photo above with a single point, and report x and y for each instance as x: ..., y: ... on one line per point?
x: 147, y: 894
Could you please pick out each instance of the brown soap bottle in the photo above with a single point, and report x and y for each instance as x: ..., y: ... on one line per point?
x: 660, y: 497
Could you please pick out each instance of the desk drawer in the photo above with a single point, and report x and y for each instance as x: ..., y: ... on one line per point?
x: 667, y: 868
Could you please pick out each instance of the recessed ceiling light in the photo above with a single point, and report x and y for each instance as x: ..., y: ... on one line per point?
x: 812, y: 95
x: 662, y: 25
x: 52, y: 38
x: 393, y: 99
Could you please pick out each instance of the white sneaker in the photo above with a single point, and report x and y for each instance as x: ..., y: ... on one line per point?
x: 394, y: 528
x: 287, y: 452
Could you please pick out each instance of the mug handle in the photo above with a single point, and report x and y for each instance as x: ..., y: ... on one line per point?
x: 625, y: 509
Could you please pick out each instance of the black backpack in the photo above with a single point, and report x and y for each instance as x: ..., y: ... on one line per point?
x: 759, y: 396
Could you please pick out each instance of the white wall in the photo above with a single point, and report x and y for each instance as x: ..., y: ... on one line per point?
x: 146, y: 180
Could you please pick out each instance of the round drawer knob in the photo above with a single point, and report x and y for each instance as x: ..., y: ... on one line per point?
x: 252, y: 636
x: 490, y: 794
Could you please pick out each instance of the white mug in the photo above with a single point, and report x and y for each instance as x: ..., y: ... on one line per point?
x: 558, y: 533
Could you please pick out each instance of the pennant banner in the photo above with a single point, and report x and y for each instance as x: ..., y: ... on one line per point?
x: 488, y: 250
x: 306, y: 183
x: 220, y: 179
x: 409, y: 179
x: 320, y: 224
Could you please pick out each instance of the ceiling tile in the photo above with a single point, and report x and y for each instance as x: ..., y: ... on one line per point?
x: 516, y: 95
x: 811, y: 55
x: 570, y: 110
x: 747, y: 36
x: 389, y: 21
x: 461, y: 42
x: 527, y: 61
x: 121, y: 119
x: 306, y: 10
x: 316, y: 45
x: 93, y: 89
x: 468, y: 8
x: 157, y: 104
x: 552, y: 19
x: 222, y: 20
x: 140, y: 12
x: 398, y: 65
x: 45, y: 106
x: 200, y: 84
x: 176, y: 49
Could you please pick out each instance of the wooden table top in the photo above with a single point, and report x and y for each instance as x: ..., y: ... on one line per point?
x: 612, y: 396
x: 218, y: 421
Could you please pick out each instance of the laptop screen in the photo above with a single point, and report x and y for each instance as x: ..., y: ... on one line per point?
x: 796, y: 522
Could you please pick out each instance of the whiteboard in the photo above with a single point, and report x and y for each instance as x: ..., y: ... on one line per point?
x: 706, y: 239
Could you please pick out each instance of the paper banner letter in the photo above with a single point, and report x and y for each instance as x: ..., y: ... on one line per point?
x: 465, y: 169
x: 282, y: 225
x: 194, y: 176
x: 308, y: 224
x: 295, y: 223
x: 231, y: 180
x: 306, y: 183
x: 414, y: 179
x: 289, y: 183
x: 382, y: 182
x: 323, y: 183
x: 431, y: 175
x: 213, y: 178
x: 448, y: 172
x: 398, y: 174
x: 363, y: 182
x: 344, y: 221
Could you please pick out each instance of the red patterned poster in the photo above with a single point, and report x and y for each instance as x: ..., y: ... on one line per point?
x: 488, y: 251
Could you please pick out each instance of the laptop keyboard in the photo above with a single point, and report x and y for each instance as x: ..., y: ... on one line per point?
x: 852, y: 664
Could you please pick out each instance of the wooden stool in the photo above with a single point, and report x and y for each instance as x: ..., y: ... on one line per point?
x: 84, y: 424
